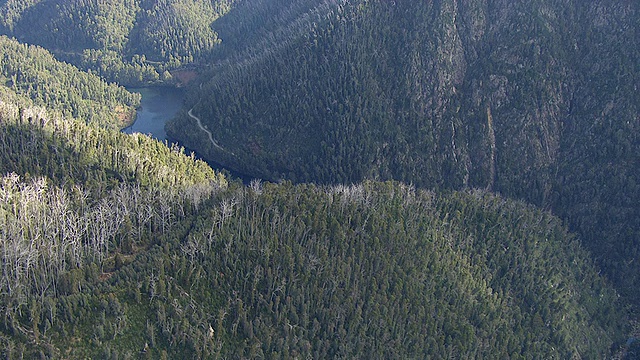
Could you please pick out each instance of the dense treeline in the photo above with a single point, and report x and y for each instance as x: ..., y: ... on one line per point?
x: 78, y: 199
x: 34, y: 73
x: 68, y: 151
x: 259, y: 26
x: 115, y: 245
x: 131, y: 41
x: 598, y: 189
x: 119, y: 246
x: 377, y: 270
x: 384, y: 271
x: 178, y: 31
x: 536, y: 101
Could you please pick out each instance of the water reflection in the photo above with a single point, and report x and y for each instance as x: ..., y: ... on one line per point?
x: 158, y: 105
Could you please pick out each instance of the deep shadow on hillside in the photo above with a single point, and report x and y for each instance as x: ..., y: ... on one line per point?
x: 536, y: 101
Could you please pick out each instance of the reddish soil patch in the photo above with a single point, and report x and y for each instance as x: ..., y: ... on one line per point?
x: 183, y: 77
x: 105, y: 276
x: 125, y: 115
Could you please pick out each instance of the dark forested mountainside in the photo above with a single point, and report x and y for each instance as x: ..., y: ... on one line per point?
x: 119, y: 246
x: 115, y: 245
x: 534, y: 100
x: 257, y: 27
x: 131, y: 41
x: 32, y: 72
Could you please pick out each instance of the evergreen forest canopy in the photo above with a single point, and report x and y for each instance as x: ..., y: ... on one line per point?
x: 32, y: 72
x: 132, y: 42
x: 116, y: 244
x: 534, y: 100
x: 120, y: 246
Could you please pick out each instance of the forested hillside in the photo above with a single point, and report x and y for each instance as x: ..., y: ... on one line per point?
x: 131, y: 41
x: 32, y: 72
x: 257, y: 27
x: 78, y: 200
x: 115, y: 245
x: 536, y: 101
x: 514, y: 122
x: 122, y: 259
x: 385, y: 271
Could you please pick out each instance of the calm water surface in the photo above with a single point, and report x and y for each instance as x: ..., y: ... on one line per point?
x: 158, y: 105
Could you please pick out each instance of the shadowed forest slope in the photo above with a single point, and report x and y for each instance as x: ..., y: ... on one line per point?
x: 503, y: 129
x: 536, y: 101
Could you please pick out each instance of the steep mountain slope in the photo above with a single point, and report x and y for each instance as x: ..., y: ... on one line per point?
x: 131, y: 41
x: 281, y: 271
x: 116, y: 245
x: 384, y: 271
x: 33, y: 73
x: 536, y: 101
x: 76, y: 198
x: 257, y: 27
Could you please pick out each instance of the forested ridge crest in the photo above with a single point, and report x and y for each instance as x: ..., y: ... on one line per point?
x: 536, y: 101
x: 123, y: 246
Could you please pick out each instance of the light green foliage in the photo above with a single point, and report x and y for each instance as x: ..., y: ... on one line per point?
x: 303, y: 271
x: 69, y: 151
x: 130, y: 41
x: 76, y: 203
x: 346, y: 271
x: 32, y: 72
x: 119, y: 246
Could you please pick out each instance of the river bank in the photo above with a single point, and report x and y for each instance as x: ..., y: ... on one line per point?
x: 159, y: 105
